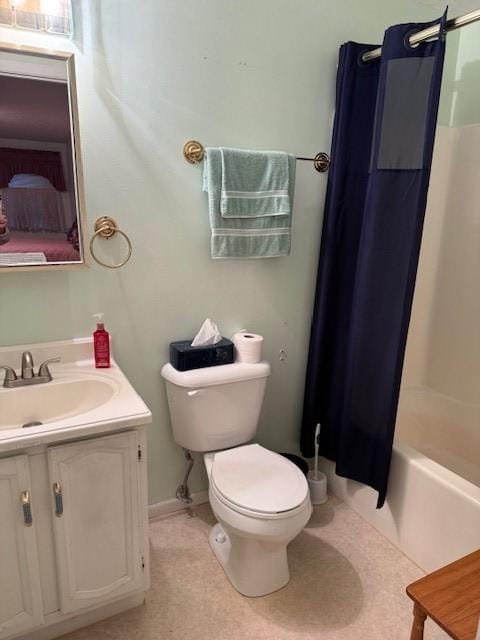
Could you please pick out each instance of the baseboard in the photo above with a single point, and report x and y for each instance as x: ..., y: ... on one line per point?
x: 173, y: 504
x: 57, y: 625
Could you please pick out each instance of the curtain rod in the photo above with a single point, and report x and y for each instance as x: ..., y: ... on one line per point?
x: 430, y: 32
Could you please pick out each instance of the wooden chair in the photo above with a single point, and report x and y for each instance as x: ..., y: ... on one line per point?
x: 450, y: 597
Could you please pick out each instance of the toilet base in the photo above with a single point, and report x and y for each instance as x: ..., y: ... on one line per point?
x: 255, y: 568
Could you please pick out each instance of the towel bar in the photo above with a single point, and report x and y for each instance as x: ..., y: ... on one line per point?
x: 194, y: 152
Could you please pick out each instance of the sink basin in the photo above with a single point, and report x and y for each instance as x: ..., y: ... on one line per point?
x: 79, y: 401
x: 53, y: 401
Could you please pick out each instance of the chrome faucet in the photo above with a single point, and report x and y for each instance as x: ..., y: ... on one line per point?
x: 27, y: 366
x: 28, y: 376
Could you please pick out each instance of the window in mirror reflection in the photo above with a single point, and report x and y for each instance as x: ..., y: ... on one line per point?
x: 53, y: 16
x: 38, y: 220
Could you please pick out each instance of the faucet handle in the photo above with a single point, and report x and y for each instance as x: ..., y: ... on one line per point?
x: 10, y: 375
x: 44, y: 371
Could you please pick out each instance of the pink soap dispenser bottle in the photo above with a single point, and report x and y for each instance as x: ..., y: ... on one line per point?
x: 101, y: 343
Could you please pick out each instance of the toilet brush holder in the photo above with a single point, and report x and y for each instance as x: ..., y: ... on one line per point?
x: 317, y: 483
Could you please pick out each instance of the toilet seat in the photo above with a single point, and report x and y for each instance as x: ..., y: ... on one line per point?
x: 258, y: 482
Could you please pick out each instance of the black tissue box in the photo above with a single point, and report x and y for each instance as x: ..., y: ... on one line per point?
x: 184, y: 357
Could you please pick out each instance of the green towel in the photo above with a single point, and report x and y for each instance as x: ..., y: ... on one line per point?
x: 261, y: 237
x: 254, y: 183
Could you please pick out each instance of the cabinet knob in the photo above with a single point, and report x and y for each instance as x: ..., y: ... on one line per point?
x: 27, y: 508
x: 57, y: 494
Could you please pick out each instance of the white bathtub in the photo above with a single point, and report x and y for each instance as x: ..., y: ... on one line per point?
x: 432, y: 511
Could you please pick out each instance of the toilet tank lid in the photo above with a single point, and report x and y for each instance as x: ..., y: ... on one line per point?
x: 210, y: 376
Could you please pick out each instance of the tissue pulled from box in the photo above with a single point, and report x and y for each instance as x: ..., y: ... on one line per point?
x: 208, y: 334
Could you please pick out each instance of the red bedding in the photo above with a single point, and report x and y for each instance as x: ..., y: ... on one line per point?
x: 54, y: 246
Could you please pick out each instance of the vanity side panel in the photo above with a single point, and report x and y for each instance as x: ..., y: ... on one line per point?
x: 143, y: 522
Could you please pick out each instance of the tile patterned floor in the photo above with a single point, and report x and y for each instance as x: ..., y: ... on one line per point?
x: 347, y: 582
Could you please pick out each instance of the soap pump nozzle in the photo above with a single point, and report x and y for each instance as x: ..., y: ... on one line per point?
x: 99, y: 318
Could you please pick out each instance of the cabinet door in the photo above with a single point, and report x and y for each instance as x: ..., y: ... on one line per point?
x: 20, y: 593
x: 96, y: 519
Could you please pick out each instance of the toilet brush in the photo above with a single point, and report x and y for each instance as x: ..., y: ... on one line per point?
x: 317, y: 444
x: 317, y: 481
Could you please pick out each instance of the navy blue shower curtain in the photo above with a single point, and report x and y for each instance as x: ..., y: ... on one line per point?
x: 382, y: 146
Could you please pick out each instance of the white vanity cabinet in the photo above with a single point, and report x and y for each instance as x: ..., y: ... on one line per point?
x: 96, y: 523
x: 20, y: 593
x: 73, y: 533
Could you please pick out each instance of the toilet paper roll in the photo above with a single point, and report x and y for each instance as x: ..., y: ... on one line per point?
x: 248, y: 347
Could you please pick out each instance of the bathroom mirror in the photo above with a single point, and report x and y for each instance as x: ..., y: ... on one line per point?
x: 41, y: 189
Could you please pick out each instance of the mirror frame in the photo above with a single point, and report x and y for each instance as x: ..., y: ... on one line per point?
x: 69, y: 59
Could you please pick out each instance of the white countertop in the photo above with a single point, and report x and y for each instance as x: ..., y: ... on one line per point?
x: 122, y: 408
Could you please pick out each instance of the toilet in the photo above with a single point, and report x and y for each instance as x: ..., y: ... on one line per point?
x: 260, y: 499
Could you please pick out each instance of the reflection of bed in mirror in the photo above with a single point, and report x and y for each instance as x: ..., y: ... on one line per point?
x: 39, y: 215
x: 40, y: 222
x: 48, y: 247
x: 36, y: 210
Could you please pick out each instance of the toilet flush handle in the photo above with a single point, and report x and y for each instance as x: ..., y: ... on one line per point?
x: 195, y: 392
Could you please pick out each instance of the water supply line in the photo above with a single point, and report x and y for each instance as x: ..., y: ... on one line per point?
x: 183, y: 492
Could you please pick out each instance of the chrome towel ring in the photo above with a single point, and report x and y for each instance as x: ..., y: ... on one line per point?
x: 106, y: 228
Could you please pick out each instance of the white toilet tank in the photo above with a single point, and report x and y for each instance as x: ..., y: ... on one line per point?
x: 215, y: 407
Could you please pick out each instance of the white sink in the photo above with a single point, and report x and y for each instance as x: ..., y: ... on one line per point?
x: 55, y: 400
x: 79, y: 398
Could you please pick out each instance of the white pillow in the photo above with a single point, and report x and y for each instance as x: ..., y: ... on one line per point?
x: 29, y: 181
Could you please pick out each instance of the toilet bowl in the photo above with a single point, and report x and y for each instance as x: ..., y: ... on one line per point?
x: 260, y: 499
x: 261, y: 502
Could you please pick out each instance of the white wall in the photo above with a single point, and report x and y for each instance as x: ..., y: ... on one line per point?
x: 418, y: 355
x: 443, y: 350
x: 454, y: 336
x: 152, y: 75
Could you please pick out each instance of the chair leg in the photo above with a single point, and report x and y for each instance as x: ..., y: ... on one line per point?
x: 419, y: 617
